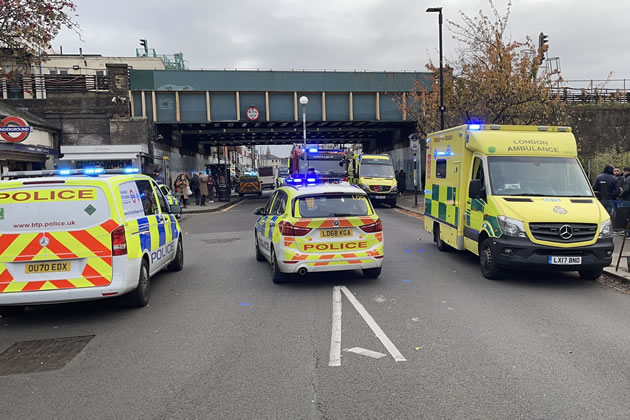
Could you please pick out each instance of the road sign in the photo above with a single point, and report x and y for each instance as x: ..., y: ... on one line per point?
x: 14, y: 129
x: 252, y: 113
x: 414, y: 141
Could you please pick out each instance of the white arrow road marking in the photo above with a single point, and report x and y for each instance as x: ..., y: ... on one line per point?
x: 365, y: 352
x: 335, y: 340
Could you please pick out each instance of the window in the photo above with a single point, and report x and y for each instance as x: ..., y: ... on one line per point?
x: 100, y: 73
x: 53, y: 72
x: 269, y: 202
x: 334, y: 206
x: 63, y: 72
x: 478, y: 170
x: 440, y: 168
x: 149, y: 204
x: 161, y: 200
x: 280, y: 205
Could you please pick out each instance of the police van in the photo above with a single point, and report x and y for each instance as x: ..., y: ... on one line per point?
x: 72, y: 235
x: 516, y: 196
x: 308, y: 226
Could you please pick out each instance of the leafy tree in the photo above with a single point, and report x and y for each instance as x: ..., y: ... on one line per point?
x: 28, y: 26
x: 493, y: 80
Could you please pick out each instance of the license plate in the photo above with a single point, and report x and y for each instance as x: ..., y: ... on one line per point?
x: 380, y: 197
x: 565, y: 260
x: 335, y: 233
x: 48, y: 267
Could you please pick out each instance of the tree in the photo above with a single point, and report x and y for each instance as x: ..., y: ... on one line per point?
x: 28, y: 26
x: 493, y: 80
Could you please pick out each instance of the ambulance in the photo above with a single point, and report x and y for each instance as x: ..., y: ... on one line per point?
x: 375, y: 175
x: 73, y: 235
x: 318, y: 227
x: 516, y: 196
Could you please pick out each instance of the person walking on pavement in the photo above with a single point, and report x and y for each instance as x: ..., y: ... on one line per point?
x: 203, y: 187
x: 625, y: 188
x: 607, y: 189
x: 210, y: 185
x: 182, y: 185
x: 402, y: 181
x: 194, y: 186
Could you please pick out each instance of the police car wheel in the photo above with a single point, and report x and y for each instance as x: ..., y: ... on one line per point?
x: 140, y: 296
x: 259, y: 255
x: 178, y: 263
x: 441, y: 245
x: 489, y: 267
x: 276, y: 275
x: 591, y: 274
x: 7, y: 311
x: 371, y: 273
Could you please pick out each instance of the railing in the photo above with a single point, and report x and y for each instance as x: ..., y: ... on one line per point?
x: 577, y: 96
x: 40, y: 86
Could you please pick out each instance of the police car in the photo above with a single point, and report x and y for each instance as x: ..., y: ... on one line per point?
x: 76, y: 235
x: 321, y: 227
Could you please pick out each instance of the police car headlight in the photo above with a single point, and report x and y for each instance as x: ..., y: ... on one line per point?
x: 512, y: 227
x: 605, y: 230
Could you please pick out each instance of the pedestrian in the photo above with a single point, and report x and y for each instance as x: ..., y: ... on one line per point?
x: 625, y: 193
x: 607, y: 189
x: 182, y: 186
x: 158, y: 177
x: 203, y: 187
x: 210, y: 184
x: 194, y: 186
x: 618, y: 173
x: 402, y: 181
x: 397, y: 177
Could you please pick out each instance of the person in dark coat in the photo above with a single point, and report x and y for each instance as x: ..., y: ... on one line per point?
x: 607, y: 189
x: 195, y: 187
x: 402, y: 181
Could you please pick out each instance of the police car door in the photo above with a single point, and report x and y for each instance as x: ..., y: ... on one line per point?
x: 262, y: 227
x: 170, y: 232
x: 151, y: 227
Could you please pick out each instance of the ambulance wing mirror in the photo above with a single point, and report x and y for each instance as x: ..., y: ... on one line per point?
x: 476, y: 189
x: 260, y: 211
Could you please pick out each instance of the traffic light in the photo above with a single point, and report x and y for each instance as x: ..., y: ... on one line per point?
x: 543, y: 46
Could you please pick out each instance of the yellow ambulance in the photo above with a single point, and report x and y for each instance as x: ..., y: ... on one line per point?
x: 72, y: 235
x: 375, y: 175
x: 516, y: 196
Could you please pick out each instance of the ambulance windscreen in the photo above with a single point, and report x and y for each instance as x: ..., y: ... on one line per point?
x: 333, y: 206
x: 42, y: 208
x: 537, y: 176
x: 377, y: 170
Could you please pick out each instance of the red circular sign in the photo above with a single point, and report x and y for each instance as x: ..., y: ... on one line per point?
x: 132, y: 196
x: 252, y: 113
x: 10, y: 126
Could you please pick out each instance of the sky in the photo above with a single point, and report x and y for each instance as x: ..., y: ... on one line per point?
x: 591, y: 38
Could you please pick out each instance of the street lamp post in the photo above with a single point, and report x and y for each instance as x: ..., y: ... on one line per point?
x: 439, y: 11
x: 304, y: 102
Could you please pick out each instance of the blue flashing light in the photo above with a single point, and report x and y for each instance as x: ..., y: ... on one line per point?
x: 93, y: 171
x: 131, y: 170
x: 312, y: 180
x: 313, y: 150
x: 64, y: 172
x: 474, y: 126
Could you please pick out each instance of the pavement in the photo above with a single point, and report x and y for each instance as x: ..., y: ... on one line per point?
x: 211, y: 206
x: 407, y: 201
x: 220, y: 340
x: 623, y: 272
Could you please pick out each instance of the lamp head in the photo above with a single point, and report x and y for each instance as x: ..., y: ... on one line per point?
x: 303, y: 100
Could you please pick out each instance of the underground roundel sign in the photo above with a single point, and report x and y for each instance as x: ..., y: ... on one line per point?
x: 252, y: 113
x: 14, y: 129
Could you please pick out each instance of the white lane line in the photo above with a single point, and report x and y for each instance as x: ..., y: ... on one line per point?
x: 380, y: 334
x: 335, y: 339
x: 365, y: 352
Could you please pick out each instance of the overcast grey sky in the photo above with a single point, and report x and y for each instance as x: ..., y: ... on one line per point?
x: 591, y: 38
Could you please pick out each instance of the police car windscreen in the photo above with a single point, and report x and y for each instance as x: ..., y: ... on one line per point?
x: 52, y: 208
x: 537, y: 176
x: 377, y: 170
x: 333, y: 206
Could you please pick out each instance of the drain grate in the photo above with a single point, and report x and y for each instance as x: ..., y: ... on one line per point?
x: 41, y: 355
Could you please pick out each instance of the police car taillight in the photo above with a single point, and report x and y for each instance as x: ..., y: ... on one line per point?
x: 119, y: 241
x: 373, y: 227
x: 287, y: 229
